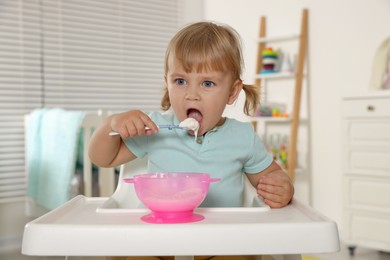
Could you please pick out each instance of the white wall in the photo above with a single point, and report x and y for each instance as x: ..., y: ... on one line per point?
x: 343, y: 37
x: 12, y: 220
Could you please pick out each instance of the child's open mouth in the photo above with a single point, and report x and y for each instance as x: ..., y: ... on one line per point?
x: 195, y: 114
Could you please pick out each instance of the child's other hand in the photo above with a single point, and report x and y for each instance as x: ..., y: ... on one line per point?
x: 132, y: 123
x: 276, y: 189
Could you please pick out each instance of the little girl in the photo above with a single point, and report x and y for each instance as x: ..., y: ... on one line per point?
x: 203, y: 64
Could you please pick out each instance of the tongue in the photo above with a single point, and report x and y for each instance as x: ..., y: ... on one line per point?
x: 195, y: 114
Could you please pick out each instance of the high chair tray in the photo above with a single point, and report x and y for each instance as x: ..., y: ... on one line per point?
x: 78, y: 229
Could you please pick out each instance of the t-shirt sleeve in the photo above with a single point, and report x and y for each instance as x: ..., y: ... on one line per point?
x: 137, y: 145
x: 258, y: 159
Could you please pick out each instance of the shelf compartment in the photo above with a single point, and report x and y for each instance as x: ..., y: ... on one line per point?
x: 278, y: 75
x: 280, y: 38
x: 270, y: 119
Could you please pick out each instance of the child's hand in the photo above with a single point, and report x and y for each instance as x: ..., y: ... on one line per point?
x: 276, y: 189
x: 132, y: 123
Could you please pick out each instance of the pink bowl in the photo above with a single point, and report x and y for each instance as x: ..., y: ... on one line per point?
x: 173, y: 196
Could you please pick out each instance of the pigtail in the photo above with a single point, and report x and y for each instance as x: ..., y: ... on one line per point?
x: 251, y: 100
x: 165, y: 102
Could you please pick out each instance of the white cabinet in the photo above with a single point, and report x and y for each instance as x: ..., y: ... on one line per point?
x: 366, y: 178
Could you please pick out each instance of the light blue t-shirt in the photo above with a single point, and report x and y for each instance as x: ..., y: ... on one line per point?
x: 224, y: 152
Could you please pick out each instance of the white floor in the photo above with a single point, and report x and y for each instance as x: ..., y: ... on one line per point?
x: 360, y: 254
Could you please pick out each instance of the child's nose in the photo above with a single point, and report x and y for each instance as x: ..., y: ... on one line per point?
x: 192, y: 93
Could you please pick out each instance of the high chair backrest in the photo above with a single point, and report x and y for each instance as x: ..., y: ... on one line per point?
x: 124, y: 195
x: 106, y: 176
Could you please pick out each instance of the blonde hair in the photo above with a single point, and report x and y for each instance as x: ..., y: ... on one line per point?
x: 206, y: 46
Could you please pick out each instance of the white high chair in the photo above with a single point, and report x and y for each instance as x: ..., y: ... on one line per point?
x: 124, y: 195
x: 113, y: 227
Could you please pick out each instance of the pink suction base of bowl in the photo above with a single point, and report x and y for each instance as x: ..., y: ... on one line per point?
x: 172, y: 217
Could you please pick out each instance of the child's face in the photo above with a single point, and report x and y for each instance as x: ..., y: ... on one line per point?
x: 202, y: 96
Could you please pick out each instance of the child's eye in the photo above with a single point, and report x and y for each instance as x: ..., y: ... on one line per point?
x: 180, y: 82
x: 208, y: 84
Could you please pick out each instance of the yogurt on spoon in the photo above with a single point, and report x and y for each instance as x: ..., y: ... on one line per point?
x: 191, y: 124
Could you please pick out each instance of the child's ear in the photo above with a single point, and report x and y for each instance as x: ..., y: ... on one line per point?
x: 235, y: 91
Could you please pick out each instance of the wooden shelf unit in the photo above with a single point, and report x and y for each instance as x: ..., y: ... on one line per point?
x: 298, y: 77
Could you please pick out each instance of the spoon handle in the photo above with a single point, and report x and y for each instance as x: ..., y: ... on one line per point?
x: 169, y: 127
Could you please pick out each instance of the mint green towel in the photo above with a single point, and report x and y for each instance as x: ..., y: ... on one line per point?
x: 52, y: 140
